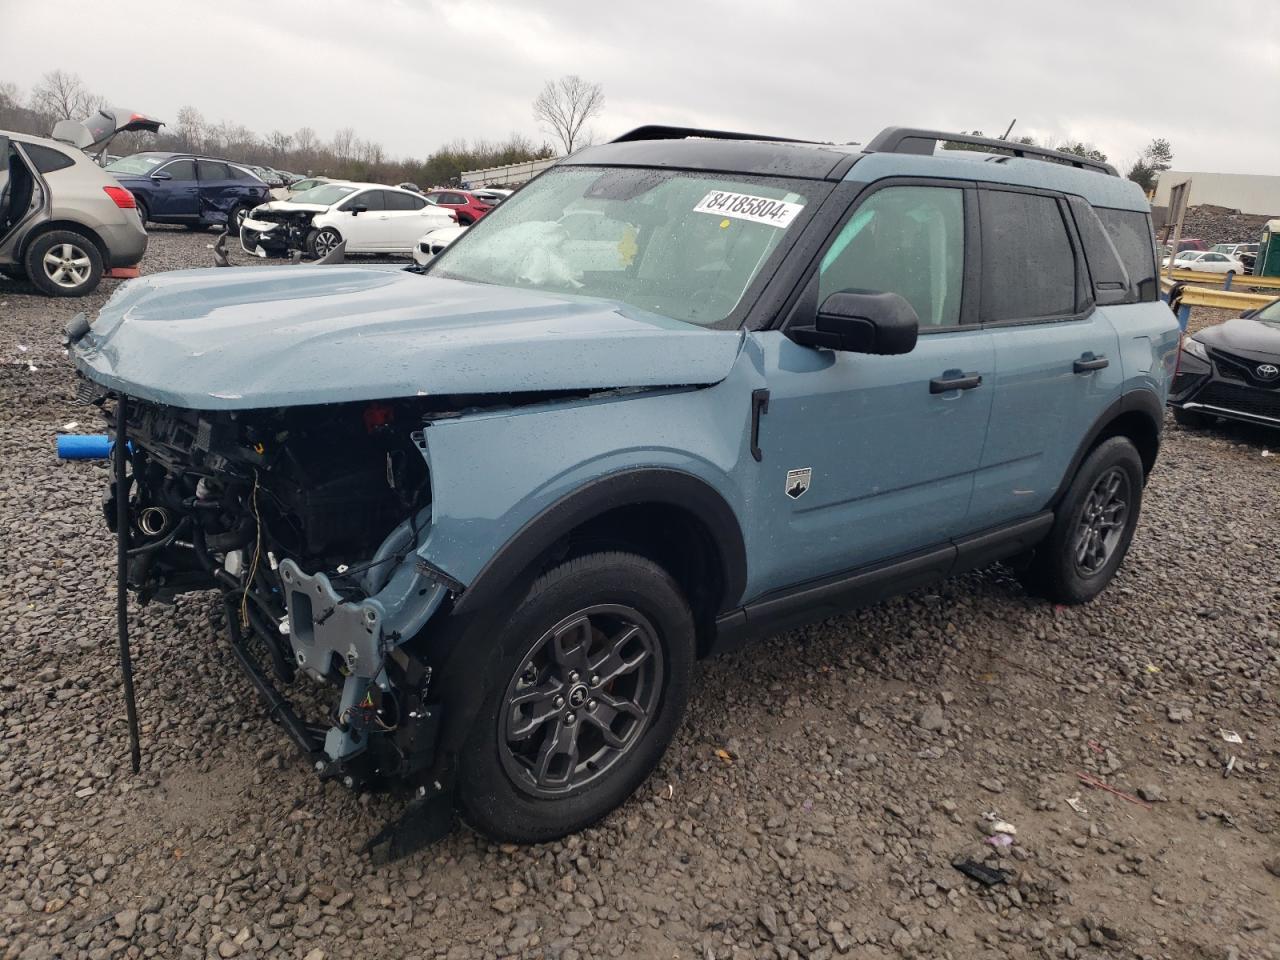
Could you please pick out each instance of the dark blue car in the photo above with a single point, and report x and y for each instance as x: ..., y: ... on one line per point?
x: 194, y: 191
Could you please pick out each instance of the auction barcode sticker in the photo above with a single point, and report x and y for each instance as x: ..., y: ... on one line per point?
x: 743, y: 206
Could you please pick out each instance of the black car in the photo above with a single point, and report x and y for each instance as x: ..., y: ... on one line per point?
x: 194, y: 191
x: 1231, y: 370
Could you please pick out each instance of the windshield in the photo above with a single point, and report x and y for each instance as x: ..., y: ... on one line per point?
x: 326, y: 194
x: 1269, y: 314
x: 142, y: 163
x: 684, y: 245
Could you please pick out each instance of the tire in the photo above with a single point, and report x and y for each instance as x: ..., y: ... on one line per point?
x: 320, y: 242
x: 1073, y: 565
x: 465, y: 221
x: 502, y: 789
x: 63, y: 263
x: 1192, y: 419
x: 235, y: 216
x: 142, y: 211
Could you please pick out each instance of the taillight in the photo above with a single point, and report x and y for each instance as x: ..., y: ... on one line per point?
x: 122, y: 197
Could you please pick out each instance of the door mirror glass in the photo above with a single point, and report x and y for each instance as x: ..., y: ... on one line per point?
x: 862, y: 321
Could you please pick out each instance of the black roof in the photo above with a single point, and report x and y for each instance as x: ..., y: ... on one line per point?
x: 689, y: 148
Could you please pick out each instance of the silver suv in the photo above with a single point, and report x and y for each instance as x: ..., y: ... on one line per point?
x: 64, y: 222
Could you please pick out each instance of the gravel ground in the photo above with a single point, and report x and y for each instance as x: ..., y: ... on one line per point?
x: 812, y: 805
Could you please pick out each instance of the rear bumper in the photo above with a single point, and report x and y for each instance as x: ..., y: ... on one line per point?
x: 126, y: 243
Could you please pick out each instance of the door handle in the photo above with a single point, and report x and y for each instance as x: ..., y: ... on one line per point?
x: 959, y: 381
x: 1089, y: 362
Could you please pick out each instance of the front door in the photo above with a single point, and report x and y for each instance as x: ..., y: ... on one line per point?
x: 363, y: 229
x: 865, y: 458
x: 179, y: 195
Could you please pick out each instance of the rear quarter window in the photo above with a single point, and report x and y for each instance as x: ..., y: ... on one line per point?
x: 1130, y: 231
x: 47, y: 159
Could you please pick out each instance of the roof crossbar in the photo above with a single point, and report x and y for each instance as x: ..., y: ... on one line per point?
x: 912, y: 140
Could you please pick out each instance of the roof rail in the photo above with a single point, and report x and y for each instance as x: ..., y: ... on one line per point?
x: 655, y: 131
x: 911, y: 140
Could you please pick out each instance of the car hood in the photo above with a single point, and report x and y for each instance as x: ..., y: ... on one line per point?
x: 253, y: 337
x: 290, y: 206
x: 1243, y: 336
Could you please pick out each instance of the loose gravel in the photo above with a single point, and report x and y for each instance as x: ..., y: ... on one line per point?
x: 812, y: 806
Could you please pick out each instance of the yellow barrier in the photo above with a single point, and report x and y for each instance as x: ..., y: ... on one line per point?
x: 1219, y: 279
x: 1193, y: 296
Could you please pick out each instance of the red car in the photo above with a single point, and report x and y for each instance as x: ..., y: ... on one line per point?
x: 467, y: 206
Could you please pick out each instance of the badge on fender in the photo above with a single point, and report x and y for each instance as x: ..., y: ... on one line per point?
x: 798, y: 482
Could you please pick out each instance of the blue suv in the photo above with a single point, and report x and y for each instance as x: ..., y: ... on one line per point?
x: 196, y: 192
x: 683, y: 389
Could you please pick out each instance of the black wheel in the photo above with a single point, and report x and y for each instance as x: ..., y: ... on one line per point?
x: 63, y: 263
x: 321, y: 242
x: 464, y: 220
x: 1093, y: 527
x: 235, y: 217
x: 142, y: 210
x: 1192, y: 419
x: 586, y: 693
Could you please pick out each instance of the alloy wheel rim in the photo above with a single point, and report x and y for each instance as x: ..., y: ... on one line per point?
x: 67, y: 265
x: 1102, y: 521
x: 580, y: 700
x: 325, y: 242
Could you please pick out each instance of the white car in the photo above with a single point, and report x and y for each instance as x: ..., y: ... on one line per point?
x: 1206, y: 261
x: 370, y: 217
x: 430, y: 244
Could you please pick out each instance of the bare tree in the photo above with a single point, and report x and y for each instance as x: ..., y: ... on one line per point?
x: 344, y: 142
x: 63, y: 96
x: 190, y: 128
x: 9, y: 94
x: 305, y: 140
x: 564, y: 106
x: 279, y: 142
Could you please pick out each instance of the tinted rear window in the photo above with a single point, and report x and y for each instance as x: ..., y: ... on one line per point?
x: 212, y: 170
x: 1028, y: 267
x: 1130, y: 231
x: 402, y: 201
x: 47, y: 159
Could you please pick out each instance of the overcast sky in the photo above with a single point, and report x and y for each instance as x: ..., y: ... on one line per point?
x: 413, y: 74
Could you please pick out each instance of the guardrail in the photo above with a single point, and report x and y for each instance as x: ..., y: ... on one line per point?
x: 1182, y: 296
x: 1226, y: 280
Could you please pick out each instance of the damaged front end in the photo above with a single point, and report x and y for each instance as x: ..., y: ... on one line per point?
x: 273, y: 230
x: 307, y: 520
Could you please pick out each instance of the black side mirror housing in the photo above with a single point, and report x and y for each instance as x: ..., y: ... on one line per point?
x: 161, y: 175
x: 358, y: 209
x: 861, y: 321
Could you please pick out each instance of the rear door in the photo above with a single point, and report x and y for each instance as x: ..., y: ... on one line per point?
x: 219, y: 190
x: 404, y: 220
x: 1057, y: 357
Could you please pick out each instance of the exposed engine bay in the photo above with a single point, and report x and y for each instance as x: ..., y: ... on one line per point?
x: 276, y: 233
x: 306, y: 519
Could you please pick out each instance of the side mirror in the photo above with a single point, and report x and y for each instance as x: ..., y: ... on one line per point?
x: 161, y: 175
x: 861, y: 321
x: 358, y: 209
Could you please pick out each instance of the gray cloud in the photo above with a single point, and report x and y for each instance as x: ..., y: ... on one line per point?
x: 413, y: 75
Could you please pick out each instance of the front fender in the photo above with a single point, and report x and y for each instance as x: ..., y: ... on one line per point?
x: 506, y: 484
